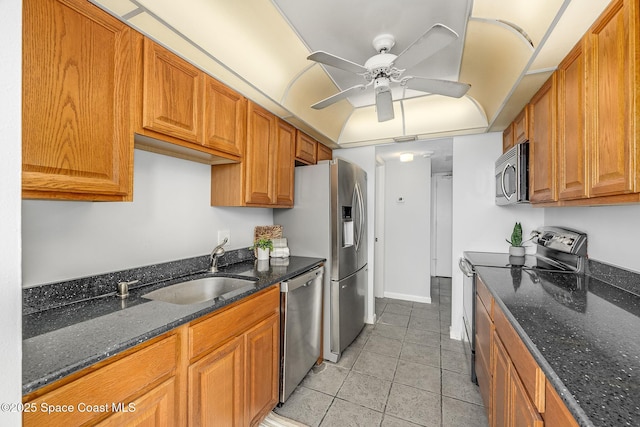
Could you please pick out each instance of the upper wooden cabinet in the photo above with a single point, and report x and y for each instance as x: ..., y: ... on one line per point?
x: 521, y: 127
x: 305, y: 149
x: 77, y: 139
x: 613, y: 99
x: 572, y: 149
x: 186, y: 107
x: 508, y: 138
x: 265, y: 176
x: 172, y: 94
x: 324, y: 153
x: 542, y: 143
x: 225, y: 117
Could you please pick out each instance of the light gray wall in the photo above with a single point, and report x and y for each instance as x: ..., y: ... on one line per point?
x: 407, y: 230
x: 10, y: 194
x: 170, y: 218
x: 478, y: 224
x: 613, y: 231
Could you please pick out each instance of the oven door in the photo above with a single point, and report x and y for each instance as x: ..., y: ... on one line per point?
x: 468, y: 312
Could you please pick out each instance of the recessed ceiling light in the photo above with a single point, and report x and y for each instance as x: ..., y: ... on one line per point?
x: 406, y: 157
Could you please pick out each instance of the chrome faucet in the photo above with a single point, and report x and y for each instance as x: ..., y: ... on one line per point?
x: 215, y: 253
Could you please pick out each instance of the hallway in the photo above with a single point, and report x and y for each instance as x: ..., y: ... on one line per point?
x: 403, y: 371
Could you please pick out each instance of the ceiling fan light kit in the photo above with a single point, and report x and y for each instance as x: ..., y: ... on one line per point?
x: 385, y: 68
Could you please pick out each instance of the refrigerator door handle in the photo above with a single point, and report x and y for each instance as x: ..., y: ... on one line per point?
x: 357, y: 195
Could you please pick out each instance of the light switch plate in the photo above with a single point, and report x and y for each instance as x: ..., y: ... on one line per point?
x: 222, y: 234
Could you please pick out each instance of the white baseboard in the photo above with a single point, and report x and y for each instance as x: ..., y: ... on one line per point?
x: 371, y: 319
x: 406, y: 297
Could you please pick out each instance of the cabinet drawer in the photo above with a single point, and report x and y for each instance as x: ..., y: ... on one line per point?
x: 106, y: 386
x: 214, y: 330
x: 528, y: 370
x: 485, y: 296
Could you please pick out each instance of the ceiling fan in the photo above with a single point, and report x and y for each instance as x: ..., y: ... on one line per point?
x: 385, y: 68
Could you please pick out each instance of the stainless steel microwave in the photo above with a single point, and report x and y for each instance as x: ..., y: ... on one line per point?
x: 512, y: 176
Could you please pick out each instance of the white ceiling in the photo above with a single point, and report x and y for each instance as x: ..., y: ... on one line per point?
x: 259, y: 48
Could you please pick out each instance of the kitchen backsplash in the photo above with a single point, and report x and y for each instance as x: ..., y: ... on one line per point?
x: 51, y: 295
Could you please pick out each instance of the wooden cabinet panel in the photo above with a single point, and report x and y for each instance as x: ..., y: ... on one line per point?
x: 521, y: 127
x: 172, y: 99
x: 216, y: 387
x: 324, y: 153
x: 508, y: 138
x: 225, y: 115
x: 113, y: 383
x: 523, y: 413
x: 500, y: 385
x: 305, y: 149
x: 542, y: 143
x: 263, y: 350
x: 77, y: 139
x: 556, y: 413
x: 156, y: 408
x: 485, y: 296
x: 612, y: 45
x: 484, y: 335
x: 284, y: 164
x: 207, y: 333
x: 261, y: 131
x: 530, y: 373
x: 572, y: 149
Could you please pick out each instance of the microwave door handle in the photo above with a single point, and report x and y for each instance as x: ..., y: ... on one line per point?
x: 504, y: 191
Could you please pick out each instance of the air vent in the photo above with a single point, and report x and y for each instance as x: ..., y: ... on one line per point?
x: 405, y: 138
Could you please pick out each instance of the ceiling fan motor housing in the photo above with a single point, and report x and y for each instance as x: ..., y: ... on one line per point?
x: 381, y: 84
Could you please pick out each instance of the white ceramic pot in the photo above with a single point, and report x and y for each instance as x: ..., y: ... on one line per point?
x: 263, y: 253
x: 516, y: 250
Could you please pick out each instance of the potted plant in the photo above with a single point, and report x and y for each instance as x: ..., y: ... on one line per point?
x: 516, y: 248
x: 263, y: 247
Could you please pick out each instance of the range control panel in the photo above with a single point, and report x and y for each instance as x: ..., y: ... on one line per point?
x: 561, y: 239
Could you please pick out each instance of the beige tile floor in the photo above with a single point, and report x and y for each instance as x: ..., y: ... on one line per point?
x: 402, y: 371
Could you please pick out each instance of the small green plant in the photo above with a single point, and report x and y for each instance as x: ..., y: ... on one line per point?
x: 263, y: 244
x: 516, y: 235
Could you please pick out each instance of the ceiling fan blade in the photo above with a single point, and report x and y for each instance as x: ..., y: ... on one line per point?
x: 338, y: 96
x: 439, y: 87
x: 337, y: 62
x: 433, y: 40
x: 384, y: 106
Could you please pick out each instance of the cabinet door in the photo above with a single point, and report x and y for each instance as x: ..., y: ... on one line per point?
x: 572, y: 150
x: 522, y: 412
x: 155, y: 408
x: 216, y: 387
x: 261, y: 132
x: 542, y: 144
x: 172, y: 94
x: 225, y: 113
x: 610, y: 98
x: 324, y: 153
x: 556, y: 412
x: 263, y: 347
x: 500, y: 384
x: 284, y: 163
x: 305, y: 149
x: 521, y: 127
x: 507, y: 138
x: 77, y: 139
x: 484, y: 332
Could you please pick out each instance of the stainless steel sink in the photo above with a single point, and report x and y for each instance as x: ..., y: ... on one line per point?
x: 201, y: 290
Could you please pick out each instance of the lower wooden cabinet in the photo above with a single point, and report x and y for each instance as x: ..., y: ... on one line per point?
x: 220, y: 370
x: 512, y: 385
x: 216, y: 387
x: 142, y: 385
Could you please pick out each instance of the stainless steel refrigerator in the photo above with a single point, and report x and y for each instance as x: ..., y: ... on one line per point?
x: 329, y: 220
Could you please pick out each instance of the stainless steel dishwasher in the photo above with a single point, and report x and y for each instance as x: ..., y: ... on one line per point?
x: 300, y: 322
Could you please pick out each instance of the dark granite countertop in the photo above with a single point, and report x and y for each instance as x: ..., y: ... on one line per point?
x: 73, y: 333
x: 584, y: 333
